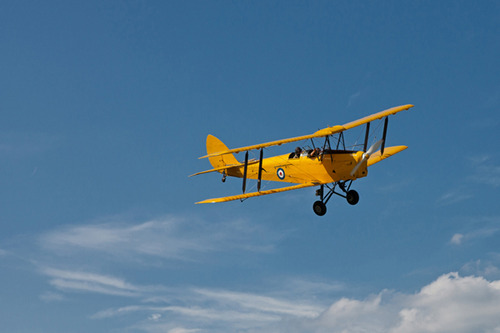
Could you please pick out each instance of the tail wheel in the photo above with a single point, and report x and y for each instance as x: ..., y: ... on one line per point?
x: 352, y: 197
x: 319, y: 208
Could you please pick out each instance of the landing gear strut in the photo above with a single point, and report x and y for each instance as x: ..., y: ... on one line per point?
x: 351, y: 196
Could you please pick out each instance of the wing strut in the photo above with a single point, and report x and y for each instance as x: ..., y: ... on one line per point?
x: 384, y: 135
x: 245, y: 173
x: 366, y: 137
x: 260, y: 169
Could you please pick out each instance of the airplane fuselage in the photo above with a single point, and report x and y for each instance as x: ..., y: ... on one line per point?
x: 327, y: 168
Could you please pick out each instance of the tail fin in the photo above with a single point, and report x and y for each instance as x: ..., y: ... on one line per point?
x: 214, y: 145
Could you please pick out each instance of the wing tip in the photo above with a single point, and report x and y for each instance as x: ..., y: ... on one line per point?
x: 207, y: 201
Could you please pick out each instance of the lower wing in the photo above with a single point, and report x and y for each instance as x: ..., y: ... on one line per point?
x: 256, y: 194
x: 388, y: 151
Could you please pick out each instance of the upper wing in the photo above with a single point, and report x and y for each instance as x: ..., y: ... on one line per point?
x: 321, y: 133
x: 256, y: 194
x: 378, y: 115
x: 324, y: 132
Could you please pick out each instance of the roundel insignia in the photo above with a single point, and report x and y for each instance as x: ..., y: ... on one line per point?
x: 281, y: 173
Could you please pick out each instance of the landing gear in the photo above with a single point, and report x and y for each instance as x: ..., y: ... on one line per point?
x: 319, y: 208
x: 351, y: 196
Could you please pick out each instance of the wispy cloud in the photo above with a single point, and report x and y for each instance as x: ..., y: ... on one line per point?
x: 264, y: 304
x: 486, y: 268
x: 227, y: 306
x: 486, y: 171
x: 353, y: 98
x: 453, y: 197
x: 167, y: 238
x: 24, y: 144
x: 79, y: 281
x: 296, y: 305
x: 489, y: 174
x: 50, y: 296
x: 451, y: 303
x: 458, y: 238
x: 217, y: 310
x: 477, y: 228
x: 308, y: 287
x: 483, y: 171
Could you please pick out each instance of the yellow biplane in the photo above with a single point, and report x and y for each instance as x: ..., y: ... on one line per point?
x: 328, y: 167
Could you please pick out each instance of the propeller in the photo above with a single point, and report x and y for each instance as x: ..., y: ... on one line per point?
x: 374, y: 147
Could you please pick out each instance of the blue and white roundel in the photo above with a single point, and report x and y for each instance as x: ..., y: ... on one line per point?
x: 281, y: 173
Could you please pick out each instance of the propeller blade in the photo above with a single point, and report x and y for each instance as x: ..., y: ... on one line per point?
x: 373, y: 148
x: 356, y: 167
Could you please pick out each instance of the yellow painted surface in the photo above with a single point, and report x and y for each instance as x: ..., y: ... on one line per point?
x: 329, y: 169
x: 389, y: 151
x: 255, y: 194
x: 304, y: 171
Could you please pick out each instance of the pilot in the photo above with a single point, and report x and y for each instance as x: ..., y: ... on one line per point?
x: 298, y: 151
x: 315, y: 152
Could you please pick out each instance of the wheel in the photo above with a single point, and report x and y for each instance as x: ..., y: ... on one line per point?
x: 352, y: 197
x: 319, y: 208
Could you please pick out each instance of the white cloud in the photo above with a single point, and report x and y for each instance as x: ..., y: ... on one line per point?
x: 453, y: 196
x: 310, y: 287
x: 236, y: 317
x: 51, y: 297
x: 489, y: 174
x: 182, y: 330
x: 486, y: 268
x: 109, y: 313
x: 453, y: 304
x: 353, y: 98
x: 458, y: 238
x: 262, y: 303
x: 167, y: 238
x: 486, y: 171
x: 215, y: 310
x: 227, y: 306
x: 450, y: 304
x: 77, y: 281
x: 155, y: 317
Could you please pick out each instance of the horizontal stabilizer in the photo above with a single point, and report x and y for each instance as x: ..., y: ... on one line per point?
x: 388, y: 151
x: 256, y: 194
x: 222, y: 168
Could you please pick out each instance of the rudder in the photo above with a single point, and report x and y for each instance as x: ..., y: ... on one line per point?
x: 214, y: 145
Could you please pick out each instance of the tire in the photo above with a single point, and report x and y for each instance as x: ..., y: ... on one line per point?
x: 352, y: 197
x: 319, y: 208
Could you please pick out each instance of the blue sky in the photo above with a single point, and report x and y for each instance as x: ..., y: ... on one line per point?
x: 105, y: 107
